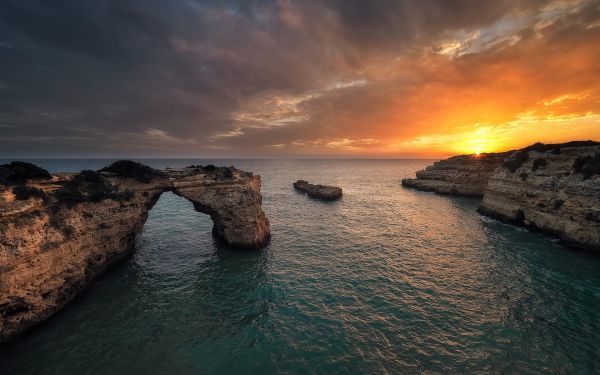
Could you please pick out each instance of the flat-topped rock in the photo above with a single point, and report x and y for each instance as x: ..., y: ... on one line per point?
x: 58, y: 232
x: 555, y: 190
x: 328, y: 193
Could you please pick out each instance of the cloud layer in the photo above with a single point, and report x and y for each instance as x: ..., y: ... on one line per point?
x: 295, y: 78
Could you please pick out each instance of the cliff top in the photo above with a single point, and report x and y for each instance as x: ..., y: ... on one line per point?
x: 21, y: 181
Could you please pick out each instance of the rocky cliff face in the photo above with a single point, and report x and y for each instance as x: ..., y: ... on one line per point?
x: 58, y: 234
x: 465, y: 175
x: 234, y: 204
x: 554, y: 190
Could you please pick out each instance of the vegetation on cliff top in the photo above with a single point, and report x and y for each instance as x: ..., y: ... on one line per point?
x: 88, y: 186
x: 18, y: 172
x: 23, y: 192
x: 132, y: 169
x: 521, y: 156
x: 588, y: 166
x: 539, y: 163
x: 221, y: 173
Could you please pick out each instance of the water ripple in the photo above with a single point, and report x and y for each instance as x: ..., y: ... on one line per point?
x: 386, y: 280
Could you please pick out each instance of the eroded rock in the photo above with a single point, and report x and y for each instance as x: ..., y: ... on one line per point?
x: 558, y: 195
x: 554, y: 188
x: 465, y: 175
x: 328, y: 193
x: 53, y: 245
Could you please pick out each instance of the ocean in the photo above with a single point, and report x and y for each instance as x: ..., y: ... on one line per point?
x: 385, y: 280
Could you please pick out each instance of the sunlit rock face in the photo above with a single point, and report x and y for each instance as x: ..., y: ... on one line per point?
x: 52, y: 246
x: 557, y: 191
x: 233, y: 202
x: 465, y: 175
x: 553, y: 188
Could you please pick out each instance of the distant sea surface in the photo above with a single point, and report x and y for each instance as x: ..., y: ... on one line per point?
x: 386, y: 280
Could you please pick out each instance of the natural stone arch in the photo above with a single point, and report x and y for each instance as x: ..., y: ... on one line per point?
x: 235, y: 208
x: 50, y: 253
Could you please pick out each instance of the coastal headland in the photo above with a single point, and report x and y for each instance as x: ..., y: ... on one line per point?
x: 59, y: 232
x: 554, y: 188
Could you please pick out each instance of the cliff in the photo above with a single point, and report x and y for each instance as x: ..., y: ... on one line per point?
x: 57, y: 233
x: 465, y: 175
x: 554, y: 188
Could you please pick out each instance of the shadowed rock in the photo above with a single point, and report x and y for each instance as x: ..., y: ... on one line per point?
x: 328, y: 193
x: 53, y: 244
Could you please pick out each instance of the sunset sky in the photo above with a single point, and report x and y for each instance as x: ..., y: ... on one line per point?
x: 338, y: 78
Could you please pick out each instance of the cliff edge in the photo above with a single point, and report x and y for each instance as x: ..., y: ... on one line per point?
x: 58, y: 232
x: 554, y: 188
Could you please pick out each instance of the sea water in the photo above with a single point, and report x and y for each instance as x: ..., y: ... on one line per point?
x: 385, y: 280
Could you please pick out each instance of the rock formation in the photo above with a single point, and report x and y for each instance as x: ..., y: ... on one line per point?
x: 465, y: 175
x: 57, y: 233
x: 328, y: 193
x: 552, y: 188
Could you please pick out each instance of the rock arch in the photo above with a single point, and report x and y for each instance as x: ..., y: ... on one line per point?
x: 50, y: 253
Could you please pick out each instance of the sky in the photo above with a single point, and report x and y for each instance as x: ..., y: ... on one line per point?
x: 310, y: 78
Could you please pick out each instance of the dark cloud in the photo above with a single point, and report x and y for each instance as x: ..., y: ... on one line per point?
x: 235, y: 78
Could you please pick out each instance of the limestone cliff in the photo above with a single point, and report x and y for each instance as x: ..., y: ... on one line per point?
x: 551, y: 189
x: 465, y: 175
x: 327, y: 193
x: 58, y: 233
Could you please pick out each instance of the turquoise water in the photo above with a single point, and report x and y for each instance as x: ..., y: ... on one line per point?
x: 386, y: 280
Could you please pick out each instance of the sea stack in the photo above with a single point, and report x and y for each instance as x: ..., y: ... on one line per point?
x: 58, y: 232
x: 323, y: 192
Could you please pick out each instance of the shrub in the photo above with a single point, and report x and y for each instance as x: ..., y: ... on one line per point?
x: 54, y: 219
x: 5, y: 175
x: 103, y: 225
x: 68, y: 230
x: 517, y: 160
x: 588, y: 166
x: 521, y: 156
x: 555, y: 148
x: 225, y: 173
x: 18, y: 172
x: 87, y: 186
x: 539, y: 164
x: 23, y: 192
x: 123, y: 196
x: 132, y: 169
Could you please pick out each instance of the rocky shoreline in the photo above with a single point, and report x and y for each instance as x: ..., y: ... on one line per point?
x: 58, y: 232
x: 551, y: 188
